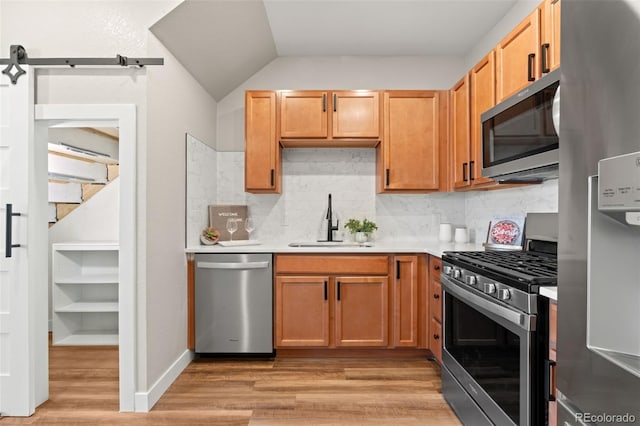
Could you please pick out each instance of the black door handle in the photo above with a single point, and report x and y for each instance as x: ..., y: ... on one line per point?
x: 325, y: 291
x: 273, y: 177
x: 544, y: 53
x: 335, y: 103
x: 436, y: 267
x: 387, y: 177
x: 464, y: 172
x: 324, y: 102
x: 471, y: 163
x: 338, y: 290
x: 530, y: 64
x: 9, y: 228
x: 436, y: 296
x: 436, y: 336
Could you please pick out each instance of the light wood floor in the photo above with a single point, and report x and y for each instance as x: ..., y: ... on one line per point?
x: 84, y: 390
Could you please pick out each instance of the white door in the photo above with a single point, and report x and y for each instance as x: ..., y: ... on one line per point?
x: 19, y: 392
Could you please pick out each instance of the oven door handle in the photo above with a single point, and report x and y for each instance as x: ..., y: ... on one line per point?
x: 517, y: 318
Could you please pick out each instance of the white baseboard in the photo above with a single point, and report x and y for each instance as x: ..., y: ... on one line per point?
x: 144, y: 401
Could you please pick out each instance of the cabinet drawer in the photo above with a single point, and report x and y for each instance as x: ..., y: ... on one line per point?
x: 340, y: 264
x: 435, y: 266
x: 435, y: 300
x: 435, y: 339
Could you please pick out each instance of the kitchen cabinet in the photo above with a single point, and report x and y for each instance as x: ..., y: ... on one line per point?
x: 553, y: 341
x: 460, y: 141
x: 409, y: 155
x: 361, y: 311
x: 483, y: 97
x: 262, y: 150
x: 550, y: 35
x: 331, y: 301
x: 85, y: 279
x: 435, y: 308
x: 330, y: 118
x: 405, y: 301
x: 517, y: 57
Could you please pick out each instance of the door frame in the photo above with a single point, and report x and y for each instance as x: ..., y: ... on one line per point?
x: 124, y: 116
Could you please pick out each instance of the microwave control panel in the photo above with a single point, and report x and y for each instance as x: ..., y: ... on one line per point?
x: 619, y: 183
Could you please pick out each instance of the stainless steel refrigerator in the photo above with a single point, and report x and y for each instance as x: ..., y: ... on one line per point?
x: 599, y: 203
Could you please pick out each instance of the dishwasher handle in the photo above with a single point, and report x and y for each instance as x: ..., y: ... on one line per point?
x: 233, y: 265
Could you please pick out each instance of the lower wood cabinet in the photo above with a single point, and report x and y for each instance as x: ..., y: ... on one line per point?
x: 405, y: 301
x: 435, y: 308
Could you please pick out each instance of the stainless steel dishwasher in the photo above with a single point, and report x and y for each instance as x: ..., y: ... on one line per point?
x: 234, y: 303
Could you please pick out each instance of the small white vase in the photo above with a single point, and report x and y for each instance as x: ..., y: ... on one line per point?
x: 206, y: 241
x: 361, y: 237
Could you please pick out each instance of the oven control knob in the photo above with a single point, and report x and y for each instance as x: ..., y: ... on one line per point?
x: 504, y: 294
x: 447, y: 270
x: 457, y: 273
x: 489, y: 288
x: 470, y: 279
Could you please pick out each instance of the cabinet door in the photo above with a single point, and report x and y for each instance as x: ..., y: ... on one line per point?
x: 262, y: 163
x: 302, y: 311
x: 435, y: 343
x: 517, y: 57
x: 303, y: 114
x: 361, y: 311
x: 356, y: 114
x: 405, y: 301
x: 550, y: 36
x: 410, y: 142
x: 483, y: 97
x: 460, y: 133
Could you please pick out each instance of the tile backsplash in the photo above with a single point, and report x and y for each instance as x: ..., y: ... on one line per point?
x: 309, y: 175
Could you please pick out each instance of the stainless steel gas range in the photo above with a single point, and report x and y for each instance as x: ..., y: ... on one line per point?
x: 495, y: 328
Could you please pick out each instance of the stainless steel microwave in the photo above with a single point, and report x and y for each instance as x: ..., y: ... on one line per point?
x: 520, y: 135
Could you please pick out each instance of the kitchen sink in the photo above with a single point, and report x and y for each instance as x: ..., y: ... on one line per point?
x: 329, y: 244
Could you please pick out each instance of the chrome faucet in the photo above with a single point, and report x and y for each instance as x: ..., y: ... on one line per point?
x: 330, y: 226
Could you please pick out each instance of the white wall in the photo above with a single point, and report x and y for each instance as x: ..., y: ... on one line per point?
x: 177, y: 105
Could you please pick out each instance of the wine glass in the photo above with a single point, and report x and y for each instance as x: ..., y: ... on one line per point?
x: 249, y: 226
x: 232, y: 226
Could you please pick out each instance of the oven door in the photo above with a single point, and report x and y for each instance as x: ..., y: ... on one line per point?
x: 488, y: 348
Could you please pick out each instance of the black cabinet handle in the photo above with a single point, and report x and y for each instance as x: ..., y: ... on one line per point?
x: 530, y: 64
x: 335, y: 103
x: 326, y: 296
x: 471, y: 163
x: 464, y: 172
x: 9, y: 227
x: 436, y: 267
x: 273, y: 177
x: 436, y: 336
x: 338, y: 290
x: 386, y: 177
x: 397, y: 269
x: 544, y: 53
x: 324, y: 102
x: 549, y: 394
x: 436, y: 296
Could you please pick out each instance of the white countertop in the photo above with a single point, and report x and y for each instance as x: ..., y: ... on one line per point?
x: 549, y: 292
x: 434, y: 248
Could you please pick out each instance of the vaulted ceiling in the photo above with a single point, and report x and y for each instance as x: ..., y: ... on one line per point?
x: 224, y: 42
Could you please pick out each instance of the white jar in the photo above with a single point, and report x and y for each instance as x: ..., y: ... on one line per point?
x: 461, y: 236
x: 445, y: 232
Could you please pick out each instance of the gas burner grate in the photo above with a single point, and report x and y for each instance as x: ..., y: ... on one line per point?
x: 530, y: 267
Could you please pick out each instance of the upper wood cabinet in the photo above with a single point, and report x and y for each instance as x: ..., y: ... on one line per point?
x: 550, y: 36
x: 483, y: 96
x: 517, y: 57
x: 262, y: 151
x: 460, y: 141
x: 330, y: 118
x: 409, y: 155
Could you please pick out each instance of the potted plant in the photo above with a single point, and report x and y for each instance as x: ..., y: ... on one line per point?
x: 209, y: 236
x: 361, y: 229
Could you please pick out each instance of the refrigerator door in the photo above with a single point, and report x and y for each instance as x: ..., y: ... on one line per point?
x: 600, y: 91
